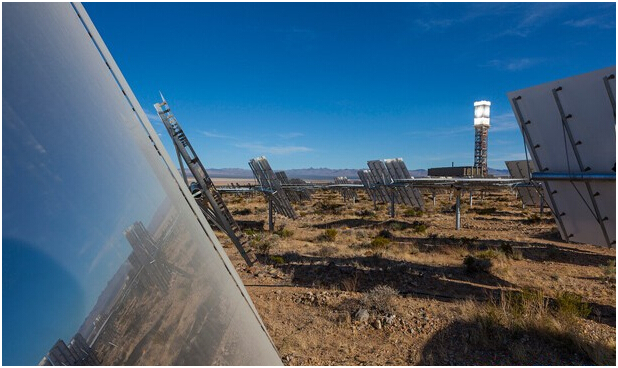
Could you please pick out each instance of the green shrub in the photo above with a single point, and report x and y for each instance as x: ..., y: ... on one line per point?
x: 609, y: 270
x: 277, y: 259
x: 243, y: 212
x: 396, y: 226
x: 411, y: 212
x: 524, y: 303
x: 264, y: 244
x: 571, y: 305
x: 474, y: 264
x: 506, y: 248
x: 330, y: 234
x: 488, y: 254
x: 486, y: 211
x: 419, y: 227
x: 284, y: 233
x: 380, y: 242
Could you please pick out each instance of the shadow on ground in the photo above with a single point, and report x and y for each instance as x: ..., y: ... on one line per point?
x: 364, y: 273
x: 483, y: 343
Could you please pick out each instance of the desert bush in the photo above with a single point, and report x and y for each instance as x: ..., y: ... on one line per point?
x: 330, y: 234
x: 474, y: 264
x: 517, y: 255
x: 488, y: 254
x: 527, y: 312
x: 525, y: 303
x: 263, y: 244
x: 396, y: 226
x: 327, y: 251
x: 485, y: 211
x: 365, y: 213
x: 380, y: 243
x: 380, y: 299
x: 351, y: 283
x: 411, y: 212
x: 284, y: 233
x: 385, y: 234
x: 609, y: 270
x: 277, y: 259
x: 328, y: 208
x: 242, y: 212
x: 571, y: 305
x: 506, y: 248
x: 533, y: 219
x: 419, y: 227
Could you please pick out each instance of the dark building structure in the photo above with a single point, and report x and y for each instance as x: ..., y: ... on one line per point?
x: 76, y: 353
x: 456, y: 171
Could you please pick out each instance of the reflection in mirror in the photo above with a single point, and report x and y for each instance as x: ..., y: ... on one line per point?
x: 105, y: 261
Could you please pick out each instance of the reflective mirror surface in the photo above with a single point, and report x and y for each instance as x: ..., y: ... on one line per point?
x: 104, y: 261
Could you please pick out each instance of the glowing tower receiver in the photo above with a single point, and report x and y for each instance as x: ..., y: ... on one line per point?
x: 481, y: 126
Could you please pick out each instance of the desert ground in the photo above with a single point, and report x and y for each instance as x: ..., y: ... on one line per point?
x: 345, y: 284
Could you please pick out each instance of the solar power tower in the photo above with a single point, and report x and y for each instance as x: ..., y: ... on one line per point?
x: 481, y: 127
x: 569, y: 127
x: 210, y: 200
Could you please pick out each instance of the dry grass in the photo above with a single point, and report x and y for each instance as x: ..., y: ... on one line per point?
x: 528, y: 312
x: 366, y: 249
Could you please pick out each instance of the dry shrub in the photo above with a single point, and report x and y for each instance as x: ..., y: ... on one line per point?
x: 327, y: 251
x: 365, y: 213
x: 609, y: 270
x: 528, y: 312
x: 380, y: 299
x: 263, y: 244
x: 351, y: 283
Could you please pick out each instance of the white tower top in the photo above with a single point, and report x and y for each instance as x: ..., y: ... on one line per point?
x: 481, y: 113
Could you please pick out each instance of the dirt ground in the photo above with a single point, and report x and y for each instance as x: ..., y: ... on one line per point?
x: 345, y: 284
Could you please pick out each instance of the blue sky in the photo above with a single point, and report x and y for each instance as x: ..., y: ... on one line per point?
x: 335, y: 85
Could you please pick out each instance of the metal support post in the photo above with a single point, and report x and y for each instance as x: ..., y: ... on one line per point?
x: 433, y: 196
x: 542, y: 203
x: 457, y: 211
x: 470, y: 199
x: 392, y: 203
x: 271, y: 218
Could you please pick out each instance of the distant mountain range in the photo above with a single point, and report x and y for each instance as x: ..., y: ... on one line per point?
x: 319, y: 173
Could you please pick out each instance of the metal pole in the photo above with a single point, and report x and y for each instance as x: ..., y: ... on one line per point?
x: 542, y: 203
x: 434, y: 199
x: 457, y: 212
x: 271, y: 220
x: 470, y: 199
x: 392, y: 203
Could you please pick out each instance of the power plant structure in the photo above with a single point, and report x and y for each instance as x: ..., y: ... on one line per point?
x: 481, y: 127
x: 479, y: 169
